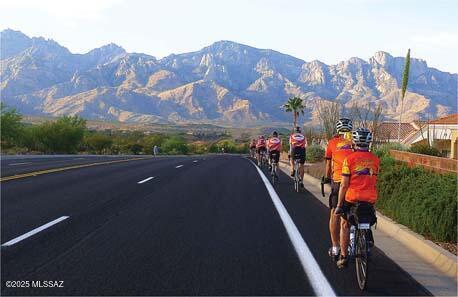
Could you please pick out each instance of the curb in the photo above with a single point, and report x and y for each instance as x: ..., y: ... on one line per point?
x: 427, y: 250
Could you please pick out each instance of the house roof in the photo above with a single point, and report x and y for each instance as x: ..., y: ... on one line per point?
x: 448, y: 120
x: 389, y: 130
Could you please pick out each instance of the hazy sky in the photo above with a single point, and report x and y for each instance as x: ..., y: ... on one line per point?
x: 330, y: 31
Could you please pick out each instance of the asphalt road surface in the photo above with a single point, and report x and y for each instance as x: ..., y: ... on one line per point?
x: 202, y: 225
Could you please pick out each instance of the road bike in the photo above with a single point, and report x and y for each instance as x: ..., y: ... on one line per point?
x: 361, y: 239
x: 273, y: 169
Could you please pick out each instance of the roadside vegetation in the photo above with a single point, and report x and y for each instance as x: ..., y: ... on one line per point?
x: 69, y: 135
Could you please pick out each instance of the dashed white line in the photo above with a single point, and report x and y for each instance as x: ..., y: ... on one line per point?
x: 178, y: 166
x: 22, y: 163
x: 34, y: 231
x: 195, y: 161
x: 145, y: 180
x: 316, y: 277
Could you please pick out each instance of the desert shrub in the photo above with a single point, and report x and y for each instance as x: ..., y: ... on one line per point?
x: 98, y: 143
x: 10, y: 126
x: 424, y: 201
x: 175, y: 145
x: 314, y: 153
x: 62, y: 136
x: 382, y: 150
x: 425, y: 149
x: 135, y: 148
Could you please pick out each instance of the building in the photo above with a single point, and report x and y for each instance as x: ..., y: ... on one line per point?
x: 388, y: 131
x: 441, y: 133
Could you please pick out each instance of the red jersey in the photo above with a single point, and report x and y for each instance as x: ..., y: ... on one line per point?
x: 274, y: 144
x: 297, y: 140
x: 261, y: 143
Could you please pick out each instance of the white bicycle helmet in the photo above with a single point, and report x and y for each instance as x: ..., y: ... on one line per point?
x: 362, y: 137
x: 344, y: 125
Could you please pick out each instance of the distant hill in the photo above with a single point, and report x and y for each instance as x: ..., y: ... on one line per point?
x: 225, y: 83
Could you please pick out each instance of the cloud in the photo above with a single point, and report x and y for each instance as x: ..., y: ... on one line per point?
x: 440, y: 39
x: 89, y: 10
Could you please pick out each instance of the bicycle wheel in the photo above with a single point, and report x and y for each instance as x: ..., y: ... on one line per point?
x: 361, y: 258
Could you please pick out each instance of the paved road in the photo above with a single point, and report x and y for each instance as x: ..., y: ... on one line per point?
x: 192, y: 226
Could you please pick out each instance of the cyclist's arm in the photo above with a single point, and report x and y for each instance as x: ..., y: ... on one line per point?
x: 328, y: 168
x: 343, y: 189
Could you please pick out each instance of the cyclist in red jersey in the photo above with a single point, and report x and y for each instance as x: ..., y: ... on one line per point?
x: 260, y: 148
x: 297, y: 145
x: 274, y: 148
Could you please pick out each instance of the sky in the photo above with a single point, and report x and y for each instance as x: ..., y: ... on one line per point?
x: 329, y: 31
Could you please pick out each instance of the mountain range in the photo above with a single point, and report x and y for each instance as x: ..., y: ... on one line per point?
x: 225, y: 83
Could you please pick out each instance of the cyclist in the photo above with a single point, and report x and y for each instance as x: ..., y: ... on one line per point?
x: 297, y: 145
x: 260, y: 148
x: 359, y: 177
x: 274, y: 147
x: 339, y: 147
x: 253, y: 148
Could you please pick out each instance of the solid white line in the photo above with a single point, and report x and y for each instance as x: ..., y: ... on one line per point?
x: 178, y: 166
x: 23, y: 163
x: 145, y: 180
x: 34, y: 231
x: 316, y: 277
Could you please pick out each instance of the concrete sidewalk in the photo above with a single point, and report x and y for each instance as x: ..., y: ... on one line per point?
x: 433, y: 269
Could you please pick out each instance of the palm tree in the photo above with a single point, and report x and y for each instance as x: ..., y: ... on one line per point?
x: 405, y: 81
x: 295, y: 105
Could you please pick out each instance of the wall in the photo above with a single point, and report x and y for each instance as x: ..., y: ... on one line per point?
x: 436, y: 164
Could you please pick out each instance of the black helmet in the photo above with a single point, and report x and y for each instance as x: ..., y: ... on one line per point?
x: 275, y: 134
x: 362, y: 137
x: 344, y: 125
x: 298, y: 129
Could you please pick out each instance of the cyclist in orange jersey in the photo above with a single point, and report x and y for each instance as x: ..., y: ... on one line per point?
x: 359, y: 178
x: 339, y: 147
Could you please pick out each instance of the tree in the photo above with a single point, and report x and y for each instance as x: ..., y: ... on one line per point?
x: 11, y: 126
x: 295, y: 105
x: 405, y: 81
x: 62, y: 136
x: 99, y: 142
x: 328, y: 113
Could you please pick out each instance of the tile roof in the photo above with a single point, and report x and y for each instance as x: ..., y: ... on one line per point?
x: 389, y: 130
x: 448, y: 120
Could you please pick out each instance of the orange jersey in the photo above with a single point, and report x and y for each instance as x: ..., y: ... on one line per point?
x: 274, y: 144
x: 261, y: 143
x: 362, y: 167
x: 338, y: 149
x: 297, y: 140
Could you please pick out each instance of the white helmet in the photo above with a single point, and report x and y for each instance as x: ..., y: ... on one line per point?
x: 362, y: 137
x: 344, y: 125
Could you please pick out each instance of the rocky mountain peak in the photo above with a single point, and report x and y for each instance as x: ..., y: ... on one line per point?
x: 12, y: 43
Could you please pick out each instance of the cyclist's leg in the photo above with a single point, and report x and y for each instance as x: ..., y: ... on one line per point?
x: 291, y: 161
x: 344, y: 230
x: 334, y: 220
x: 301, y: 165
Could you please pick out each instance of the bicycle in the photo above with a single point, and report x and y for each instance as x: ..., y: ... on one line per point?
x: 361, y: 240
x: 273, y: 170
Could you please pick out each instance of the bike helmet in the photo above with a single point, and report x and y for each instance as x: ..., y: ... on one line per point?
x: 344, y: 125
x: 275, y: 134
x: 362, y: 137
x: 298, y: 129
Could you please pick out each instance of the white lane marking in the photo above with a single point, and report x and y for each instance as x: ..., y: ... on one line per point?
x: 34, y: 231
x: 145, y: 180
x: 22, y: 163
x: 178, y: 166
x: 195, y: 161
x: 316, y: 277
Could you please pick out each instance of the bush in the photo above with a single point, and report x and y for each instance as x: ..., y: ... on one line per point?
x: 175, y: 146
x: 424, y: 201
x: 425, y: 149
x: 382, y: 150
x: 10, y: 125
x: 314, y: 153
x: 98, y: 143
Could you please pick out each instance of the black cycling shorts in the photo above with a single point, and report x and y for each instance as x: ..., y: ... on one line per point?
x: 298, y: 153
x: 334, y: 196
x: 274, y: 155
x: 261, y: 149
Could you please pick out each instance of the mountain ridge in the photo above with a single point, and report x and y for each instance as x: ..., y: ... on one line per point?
x: 225, y: 82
